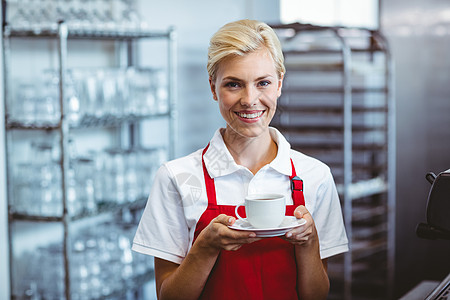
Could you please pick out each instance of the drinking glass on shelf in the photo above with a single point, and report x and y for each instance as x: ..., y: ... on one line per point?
x: 24, y: 192
x: 98, y: 176
x: 72, y: 101
x: 126, y: 257
x: 52, y: 280
x: 47, y: 108
x: 122, y: 92
x: 20, y: 17
x: 44, y: 15
x: 25, y: 279
x: 91, y: 91
x: 79, y: 268
x: 25, y: 110
x: 99, y: 98
x: 108, y: 97
x: 74, y: 206
x: 149, y: 161
x: 84, y: 171
x: 141, y: 91
x: 77, y: 17
x: 114, y: 188
x: 131, y: 176
x: 35, y: 104
x: 37, y: 183
x: 34, y: 284
x: 111, y: 261
x: 133, y: 106
x: 161, y: 91
x: 119, y: 173
x: 130, y: 19
x: 47, y: 183
x: 79, y: 90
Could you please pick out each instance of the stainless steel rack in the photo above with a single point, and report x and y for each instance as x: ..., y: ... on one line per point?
x: 92, y: 34
x: 89, y: 122
x: 338, y: 105
x: 129, y: 123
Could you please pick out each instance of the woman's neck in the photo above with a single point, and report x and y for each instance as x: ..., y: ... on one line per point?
x: 252, y: 153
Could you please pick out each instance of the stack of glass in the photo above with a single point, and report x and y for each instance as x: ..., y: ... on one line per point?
x: 92, y: 97
x: 101, y: 265
x: 37, y: 182
x: 117, y: 93
x: 107, y: 16
x: 98, y: 179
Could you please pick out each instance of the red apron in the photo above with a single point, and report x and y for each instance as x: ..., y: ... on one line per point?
x: 265, y: 269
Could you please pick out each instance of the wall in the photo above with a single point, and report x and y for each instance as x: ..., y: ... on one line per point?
x: 419, y: 35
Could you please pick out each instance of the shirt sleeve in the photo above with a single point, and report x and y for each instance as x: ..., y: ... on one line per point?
x: 329, y: 221
x: 162, y: 231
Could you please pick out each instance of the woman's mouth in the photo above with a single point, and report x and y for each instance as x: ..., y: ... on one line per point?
x: 250, y: 116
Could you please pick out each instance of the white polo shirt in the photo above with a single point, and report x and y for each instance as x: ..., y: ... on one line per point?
x: 178, y: 197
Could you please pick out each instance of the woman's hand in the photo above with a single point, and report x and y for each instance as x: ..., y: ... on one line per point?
x: 303, y: 235
x: 217, y: 235
x: 212, y: 239
x: 187, y: 280
x: 312, y: 278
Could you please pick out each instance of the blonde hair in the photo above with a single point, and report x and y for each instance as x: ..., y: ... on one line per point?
x: 242, y: 37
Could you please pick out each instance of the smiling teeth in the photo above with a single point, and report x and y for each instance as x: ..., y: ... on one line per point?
x: 250, y: 116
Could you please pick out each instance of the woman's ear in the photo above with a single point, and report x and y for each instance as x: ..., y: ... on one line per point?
x: 280, y: 84
x: 212, y: 85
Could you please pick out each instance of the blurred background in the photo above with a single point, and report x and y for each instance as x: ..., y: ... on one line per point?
x: 366, y: 91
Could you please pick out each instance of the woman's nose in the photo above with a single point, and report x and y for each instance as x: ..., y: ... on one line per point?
x: 250, y: 96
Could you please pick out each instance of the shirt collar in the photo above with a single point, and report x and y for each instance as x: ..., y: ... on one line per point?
x: 282, y: 162
x: 219, y: 162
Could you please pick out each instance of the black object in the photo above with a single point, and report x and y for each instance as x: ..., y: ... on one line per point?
x: 3, y: 14
x: 438, y: 208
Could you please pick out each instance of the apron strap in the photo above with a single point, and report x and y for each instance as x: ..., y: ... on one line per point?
x: 296, y: 185
x: 209, y: 182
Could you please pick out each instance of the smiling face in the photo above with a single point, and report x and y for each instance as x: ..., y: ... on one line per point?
x: 247, y: 88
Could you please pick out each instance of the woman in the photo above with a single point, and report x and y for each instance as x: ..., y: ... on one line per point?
x: 185, y: 225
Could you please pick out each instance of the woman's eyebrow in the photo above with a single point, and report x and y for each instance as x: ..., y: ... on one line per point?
x: 264, y: 77
x: 232, y: 78
x: 238, y: 79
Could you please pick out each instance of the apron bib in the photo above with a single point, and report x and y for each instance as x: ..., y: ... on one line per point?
x: 265, y: 269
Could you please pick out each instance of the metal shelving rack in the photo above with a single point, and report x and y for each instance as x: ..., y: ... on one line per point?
x: 337, y: 105
x: 129, y: 123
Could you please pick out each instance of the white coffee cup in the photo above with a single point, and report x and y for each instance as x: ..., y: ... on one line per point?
x: 264, y: 210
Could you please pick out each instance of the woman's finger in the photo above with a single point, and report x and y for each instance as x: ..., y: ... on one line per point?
x: 225, y: 220
x: 230, y: 234
x: 300, y: 211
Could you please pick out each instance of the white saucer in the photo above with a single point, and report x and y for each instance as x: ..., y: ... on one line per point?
x: 288, y: 223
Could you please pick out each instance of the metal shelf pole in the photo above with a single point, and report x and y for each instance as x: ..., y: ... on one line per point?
x: 173, y: 123
x: 347, y: 147
x: 6, y: 53
x: 64, y: 141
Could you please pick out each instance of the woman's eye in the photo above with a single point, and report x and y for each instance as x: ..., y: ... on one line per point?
x: 264, y: 83
x: 232, y: 84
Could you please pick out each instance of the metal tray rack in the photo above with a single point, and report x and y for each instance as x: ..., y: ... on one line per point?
x: 337, y: 105
x: 126, y: 127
